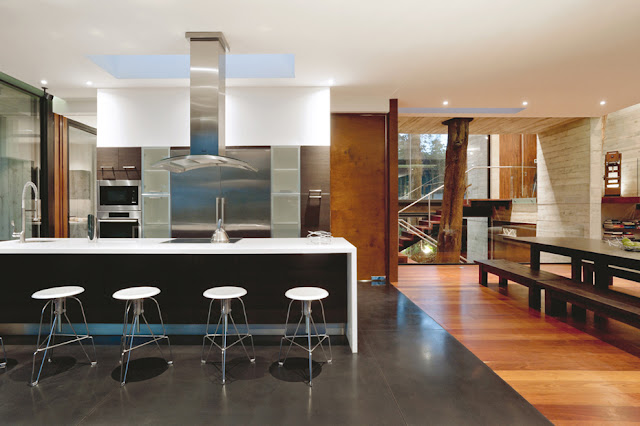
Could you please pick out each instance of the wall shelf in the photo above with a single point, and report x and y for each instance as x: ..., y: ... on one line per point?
x: 620, y: 200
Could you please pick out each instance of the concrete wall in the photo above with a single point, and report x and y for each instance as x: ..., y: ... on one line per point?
x: 477, y: 235
x: 494, y: 159
x: 569, y: 181
x: 622, y: 134
x: 477, y: 155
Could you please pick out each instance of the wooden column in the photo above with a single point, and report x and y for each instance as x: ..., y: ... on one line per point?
x: 450, y: 235
x: 61, y: 177
x: 358, y: 188
x: 392, y: 192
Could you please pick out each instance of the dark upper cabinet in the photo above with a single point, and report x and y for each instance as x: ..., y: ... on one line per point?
x: 130, y: 160
x: 315, y: 196
x: 119, y: 163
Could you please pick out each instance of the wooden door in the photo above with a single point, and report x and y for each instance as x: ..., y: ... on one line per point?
x: 517, y: 150
x: 358, y: 210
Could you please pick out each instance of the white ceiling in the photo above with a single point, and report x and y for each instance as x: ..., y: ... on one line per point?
x: 562, y: 56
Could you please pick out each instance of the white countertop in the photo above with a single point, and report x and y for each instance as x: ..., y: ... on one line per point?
x: 157, y: 246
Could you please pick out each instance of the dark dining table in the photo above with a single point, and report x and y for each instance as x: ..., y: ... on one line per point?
x: 608, y: 261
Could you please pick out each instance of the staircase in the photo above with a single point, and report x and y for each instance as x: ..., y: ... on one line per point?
x: 407, y: 239
x: 471, y: 208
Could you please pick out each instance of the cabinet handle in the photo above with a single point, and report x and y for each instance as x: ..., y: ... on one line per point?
x: 107, y: 167
x: 315, y: 193
x: 129, y: 167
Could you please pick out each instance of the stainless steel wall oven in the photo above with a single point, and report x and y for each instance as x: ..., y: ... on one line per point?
x: 119, y: 208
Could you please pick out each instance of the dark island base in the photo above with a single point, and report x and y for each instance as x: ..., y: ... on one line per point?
x: 182, y: 280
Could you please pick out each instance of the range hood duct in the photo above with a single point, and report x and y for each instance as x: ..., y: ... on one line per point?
x: 207, y: 107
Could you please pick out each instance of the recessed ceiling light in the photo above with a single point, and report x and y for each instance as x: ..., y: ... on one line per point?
x: 445, y: 103
x: 89, y: 83
x: 525, y: 103
x: 43, y: 81
x: 603, y: 102
x: 331, y: 82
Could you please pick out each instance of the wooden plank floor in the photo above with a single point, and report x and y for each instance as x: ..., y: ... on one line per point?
x: 572, y: 371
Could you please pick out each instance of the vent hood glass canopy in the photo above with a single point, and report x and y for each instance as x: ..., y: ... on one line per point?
x: 207, y: 107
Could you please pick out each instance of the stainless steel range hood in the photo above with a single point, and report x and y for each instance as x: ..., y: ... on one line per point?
x: 207, y: 107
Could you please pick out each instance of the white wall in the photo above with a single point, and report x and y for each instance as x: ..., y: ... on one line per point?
x: 83, y: 110
x: 254, y: 116
x: 143, y: 117
x: 278, y: 116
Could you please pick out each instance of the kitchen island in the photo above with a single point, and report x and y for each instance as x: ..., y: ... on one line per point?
x: 182, y: 269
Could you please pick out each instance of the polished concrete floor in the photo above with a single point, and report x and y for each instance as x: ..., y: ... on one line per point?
x: 408, y: 371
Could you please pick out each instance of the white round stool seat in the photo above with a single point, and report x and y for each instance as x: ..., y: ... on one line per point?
x: 133, y: 293
x: 307, y: 293
x: 220, y: 293
x: 57, y: 292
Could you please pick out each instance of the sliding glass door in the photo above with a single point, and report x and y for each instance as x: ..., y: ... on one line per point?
x: 82, y: 177
x: 19, y: 156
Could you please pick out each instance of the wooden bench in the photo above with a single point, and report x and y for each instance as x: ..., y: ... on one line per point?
x: 560, y: 290
x: 607, y: 303
x: 511, y: 271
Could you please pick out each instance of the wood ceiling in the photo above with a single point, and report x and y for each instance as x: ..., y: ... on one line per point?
x: 481, y: 125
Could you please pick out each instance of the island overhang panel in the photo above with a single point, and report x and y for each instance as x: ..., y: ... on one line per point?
x: 265, y: 267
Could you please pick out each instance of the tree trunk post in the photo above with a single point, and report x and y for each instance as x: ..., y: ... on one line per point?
x: 450, y: 234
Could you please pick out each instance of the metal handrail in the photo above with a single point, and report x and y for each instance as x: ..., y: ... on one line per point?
x: 424, y: 237
x: 421, y: 186
x: 412, y: 229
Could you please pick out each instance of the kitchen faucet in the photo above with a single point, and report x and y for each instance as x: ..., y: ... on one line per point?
x: 36, y: 211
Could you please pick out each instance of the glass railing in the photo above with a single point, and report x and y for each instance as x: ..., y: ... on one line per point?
x: 481, y: 238
x: 486, y: 226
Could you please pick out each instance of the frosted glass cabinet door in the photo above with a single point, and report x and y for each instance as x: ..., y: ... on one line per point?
x: 157, y: 231
x: 285, y: 231
x: 285, y: 209
x: 285, y: 157
x: 153, y: 155
x: 155, y: 210
x: 285, y: 181
x: 155, y: 181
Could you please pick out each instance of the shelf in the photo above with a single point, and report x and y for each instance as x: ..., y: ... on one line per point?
x: 620, y: 200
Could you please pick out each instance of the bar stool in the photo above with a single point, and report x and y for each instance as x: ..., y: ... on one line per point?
x: 306, y: 295
x: 134, y: 297
x: 3, y: 364
x: 56, y: 298
x: 225, y: 295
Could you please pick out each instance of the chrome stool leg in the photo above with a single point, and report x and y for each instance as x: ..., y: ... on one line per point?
x: 324, y: 320
x: 124, y: 367
x: 246, y: 321
x: 59, y: 311
x: 306, y: 308
x: 204, y: 359
x: 3, y: 364
x: 93, y: 361
x: 306, y: 314
x: 288, y: 338
x: 223, y: 319
x: 128, y: 338
x: 164, y: 334
x: 225, y: 330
